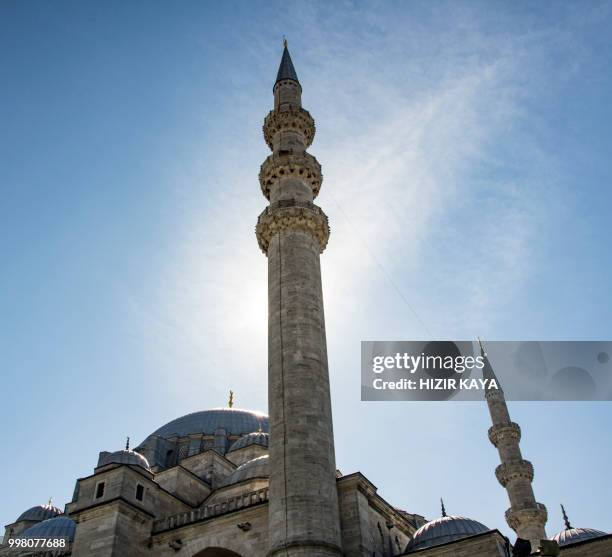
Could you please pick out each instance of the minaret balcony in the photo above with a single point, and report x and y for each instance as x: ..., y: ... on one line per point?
x: 509, y: 472
x: 495, y: 395
x: 532, y: 513
x: 291, y: 118
x: 289, y: 214
x: 302, y: 166
x: 503, y: 432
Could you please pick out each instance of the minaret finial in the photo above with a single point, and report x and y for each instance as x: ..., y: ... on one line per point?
x: 568, y: 526
x: 443, y: 509
x: 482, y: 348
x: 284, y: 41
x: 127, y: 444
x: 230, y: 402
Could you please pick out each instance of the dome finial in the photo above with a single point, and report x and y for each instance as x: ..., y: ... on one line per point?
x: 50, y: 501
x: 230, y: 402
x: 127, y: 444
x: 568, y: 526
x: 443, y: 509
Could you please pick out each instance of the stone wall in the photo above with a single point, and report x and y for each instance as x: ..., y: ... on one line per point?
x: 210, y: 466
x: 590, y: 548
x: 244, y: 531
x: 113, y: 530
x: 184, y: 484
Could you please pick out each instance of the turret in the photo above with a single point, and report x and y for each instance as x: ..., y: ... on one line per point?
x: 525, y: 516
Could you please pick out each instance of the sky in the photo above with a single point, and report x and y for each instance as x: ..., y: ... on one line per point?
x: 465, y: 149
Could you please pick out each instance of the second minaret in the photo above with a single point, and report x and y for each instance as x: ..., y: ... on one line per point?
x: 525, y: 516
x: 292, y: 231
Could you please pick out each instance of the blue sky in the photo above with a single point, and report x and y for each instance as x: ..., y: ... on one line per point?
x: 466, y: 154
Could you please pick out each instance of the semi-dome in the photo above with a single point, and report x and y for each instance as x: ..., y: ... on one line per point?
x: 125, y: 457
x: 58, y: 527
x: 256, y: 438
x: 233, y: 420
x: 443, y: 530
x: 40, y: 513
x: 256, y: 468
x: 573, y: 535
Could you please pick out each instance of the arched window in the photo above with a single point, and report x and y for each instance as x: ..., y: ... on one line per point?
x: 217, y: 552
x: 382, y: 539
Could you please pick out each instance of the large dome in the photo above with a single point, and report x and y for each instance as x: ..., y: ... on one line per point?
x: 573, y: 535
x: 443, y: 530
x: 233, y: 420
x: 39, y: 513
x: 58, y: 527
x: 125, y: 457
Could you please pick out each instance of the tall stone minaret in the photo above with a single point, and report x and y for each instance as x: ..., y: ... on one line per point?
x: 292, y: 231
x: 525, y: 516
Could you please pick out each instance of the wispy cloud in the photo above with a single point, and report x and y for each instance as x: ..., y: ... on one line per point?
x: 434, y: 183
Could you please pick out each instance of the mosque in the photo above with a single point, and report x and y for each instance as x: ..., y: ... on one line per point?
x: 228, y: 482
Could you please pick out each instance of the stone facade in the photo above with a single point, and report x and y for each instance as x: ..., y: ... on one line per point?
x: 598, y: 547
x: 234, y: 517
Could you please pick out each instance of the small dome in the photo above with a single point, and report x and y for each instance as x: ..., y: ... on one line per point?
x: 125, y: 457
x: 40, y: 513
x: 443, y: 530
x: 256, y: 468
x: 58, y: 527
x: 234, y: 420
x: 255, y: 438
x: 573, y: 535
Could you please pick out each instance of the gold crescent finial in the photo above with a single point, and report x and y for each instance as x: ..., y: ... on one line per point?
x: 230, y: 402
x: 284, y: 41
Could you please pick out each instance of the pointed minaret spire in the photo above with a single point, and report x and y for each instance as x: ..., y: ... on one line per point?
x: 525, y: 516
x: 287, y: 89
x: 286, y: 69
x: 568, y: 526
x: 487, y: 370
x: 127, y: 444
x: 443, y: 509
